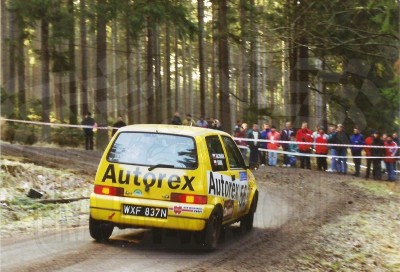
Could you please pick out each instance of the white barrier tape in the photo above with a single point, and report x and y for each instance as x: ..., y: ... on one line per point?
x: 311, y: 143
x: 235, y: 138
x: 298, y: 154
x: 54, y: 124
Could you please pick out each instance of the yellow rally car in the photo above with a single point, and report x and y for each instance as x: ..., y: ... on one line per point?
x: 172, y: 177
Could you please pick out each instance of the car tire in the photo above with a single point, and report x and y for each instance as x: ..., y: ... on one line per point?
x: 208, y: 238
x: 248, y: 220
x: 100, y: 230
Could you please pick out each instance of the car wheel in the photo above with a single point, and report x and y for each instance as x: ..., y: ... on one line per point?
x: 100, y: 230
x: 248, y: 220
x: 208, y: 238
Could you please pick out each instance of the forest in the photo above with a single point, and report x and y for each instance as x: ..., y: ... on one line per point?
x: 258, y: 61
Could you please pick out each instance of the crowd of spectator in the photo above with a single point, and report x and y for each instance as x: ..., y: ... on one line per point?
x: 262, y: 146
x: 379, y: 150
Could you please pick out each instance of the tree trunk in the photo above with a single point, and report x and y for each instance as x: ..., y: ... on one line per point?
x: 101, y: 105
x: 177, y: 76
x: 4, y: 51
x: 73, y: 105
x: 138, y: 92
x: 202, y: 69
x: 159, y: 117
x: 150, y: 74
x: 168, y: 70
x: 11, y: 81
x: 214, y: 70
x: 223, y: 63
x: 129, y: 79
x: 304, y: 112
x: 21, y: 71
x: 185, y: 91
x: 244, y: 68
x: 84, y: 57
x: 253, y: 61
x: 45, y: 78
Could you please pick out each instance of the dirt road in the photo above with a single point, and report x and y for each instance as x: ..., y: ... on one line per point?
x: 292, y: 228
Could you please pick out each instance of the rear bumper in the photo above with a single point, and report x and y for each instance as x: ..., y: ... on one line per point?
x: 180, y: 216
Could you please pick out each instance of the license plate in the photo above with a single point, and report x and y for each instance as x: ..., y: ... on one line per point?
x: 144, y: 211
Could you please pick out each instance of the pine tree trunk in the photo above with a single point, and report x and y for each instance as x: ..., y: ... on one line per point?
x: 202, y: 69
x: 4, y: 52
x: 244, y: 68
x: 223, y: 63
x: 214, y: 71
x: 11, y: 81
x: 159, y: 117
x: 84, y: 57
x: 150, y: 75
x: 129, y: 79
x: 138, y: 90
x: 253, y: 61
x: 168, y: 70
x: 101, y: 105
x: 177, y: 77
x: 45, y: 78
x: 73, y: 104
x: 21, y: 71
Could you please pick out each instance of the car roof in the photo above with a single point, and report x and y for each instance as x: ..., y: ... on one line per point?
x: 172, y: 129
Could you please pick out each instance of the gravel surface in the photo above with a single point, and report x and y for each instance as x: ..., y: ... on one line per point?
x: 306, y: 220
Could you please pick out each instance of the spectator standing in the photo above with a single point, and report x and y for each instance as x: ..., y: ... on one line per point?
x: 341, y: 138
x: 119, y: 124
x: 293, y: 148
x: 202, y: 123
x: 332, y: 149
x: 396, y: 139
x: 242, y: 133
x: 188, y: 120
x: 321, y: 148
x: 264, y: 135
x: 217, y: 125
x: 285, y: 136
x: 273, y: 136
x: 377, y: 153
x: 254, y: 144
x: 176, y: 120
x: 88, y: 131
x: 368, y: 141
x: 304, y: 135
x: 356, y: 139
x: 390, y: 153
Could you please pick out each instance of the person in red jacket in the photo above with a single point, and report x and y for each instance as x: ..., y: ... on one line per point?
x: 272, y: 137
x: 368, y: 141
x: 304, y: 137
x: 321, y: 148
x: 390, y: 153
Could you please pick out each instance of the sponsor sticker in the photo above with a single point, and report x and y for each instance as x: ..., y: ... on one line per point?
x: 180, y: 209
x: 243, y: 176
x: 224, y: 186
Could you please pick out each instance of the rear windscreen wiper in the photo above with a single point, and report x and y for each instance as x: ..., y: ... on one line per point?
x: 161, y: 165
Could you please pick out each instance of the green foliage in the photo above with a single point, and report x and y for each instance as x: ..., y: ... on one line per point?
x: 143, y: 12
x: 67, y: 137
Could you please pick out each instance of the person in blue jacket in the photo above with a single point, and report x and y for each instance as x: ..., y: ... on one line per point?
x: 357, y: 139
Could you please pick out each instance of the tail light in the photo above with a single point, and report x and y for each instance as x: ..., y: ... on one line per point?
x: 190, y: 199
x: 108, y: 190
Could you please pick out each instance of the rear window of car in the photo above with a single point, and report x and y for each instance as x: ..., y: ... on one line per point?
x: 143, y: 148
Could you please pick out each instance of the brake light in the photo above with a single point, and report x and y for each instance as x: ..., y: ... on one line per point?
x: 191, y: 199
x: 108, y: 190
